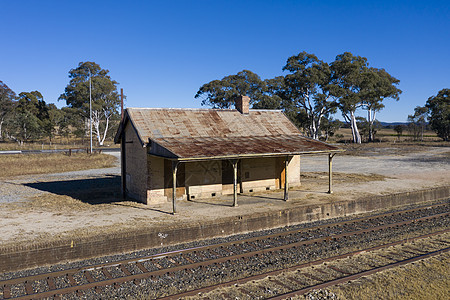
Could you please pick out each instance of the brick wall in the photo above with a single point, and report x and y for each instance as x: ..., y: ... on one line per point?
x: 203, y: 179
x: 155, y: 193
x: 136, y: 162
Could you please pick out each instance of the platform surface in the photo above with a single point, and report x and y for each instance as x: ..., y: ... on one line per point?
x: 63, y: 206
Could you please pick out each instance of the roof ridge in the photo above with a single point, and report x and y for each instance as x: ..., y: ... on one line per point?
x: 200, y: 109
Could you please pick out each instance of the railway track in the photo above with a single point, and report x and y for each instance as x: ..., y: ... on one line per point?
x: 168, y: 274
x: 320, y: 274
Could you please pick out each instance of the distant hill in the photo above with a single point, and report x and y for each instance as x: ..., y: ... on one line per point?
x: 392, y: 124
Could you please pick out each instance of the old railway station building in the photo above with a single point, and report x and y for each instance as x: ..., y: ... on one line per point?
x: 210, y: 152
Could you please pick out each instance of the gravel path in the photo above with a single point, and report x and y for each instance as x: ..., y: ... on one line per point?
x: 23, y: 187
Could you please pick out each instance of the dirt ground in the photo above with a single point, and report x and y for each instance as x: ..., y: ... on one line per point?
x: 77, y: 204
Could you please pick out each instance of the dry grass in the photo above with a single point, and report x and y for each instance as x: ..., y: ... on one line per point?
x: 19, y: 164
x: 55, y: 203
x: 386, y: 135
x: 389, y: 148
x: 427, y: 279
x: 341, y: 177
x: 46, y: 145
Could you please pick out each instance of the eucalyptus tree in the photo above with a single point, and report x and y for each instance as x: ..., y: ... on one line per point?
x: 31, y: 117
x: 263, y: 94
x: 348, y: 71
x: 7, y: 102
x: 105, y: 98
x: 439, y: 113
x: 308, y: 88
x: 359, y: 86
x: 222, y: 93
x: 418, y: 121
x: 378, y: 85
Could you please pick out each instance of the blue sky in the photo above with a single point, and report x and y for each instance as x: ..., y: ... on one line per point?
x: 161, y: 52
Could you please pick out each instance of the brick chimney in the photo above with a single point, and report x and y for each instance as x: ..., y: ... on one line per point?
x: 242, y: 104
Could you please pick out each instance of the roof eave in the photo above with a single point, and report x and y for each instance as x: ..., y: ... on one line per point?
x: 122, y: 126
x: 253, y: 155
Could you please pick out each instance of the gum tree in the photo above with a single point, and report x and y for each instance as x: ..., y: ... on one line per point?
x: 31, y: 117
x: 7, y: 102
x: 348, y: 71
x: 378, y: 85
x: 105, y: 98
x: 221, y: 93
x: 308, y: 88
x: 356, y: 85
x: 439, y: 113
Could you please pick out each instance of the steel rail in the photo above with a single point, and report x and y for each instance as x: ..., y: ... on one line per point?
x: 301, y: 266
x: 149, y: 274
x: 359, y: 274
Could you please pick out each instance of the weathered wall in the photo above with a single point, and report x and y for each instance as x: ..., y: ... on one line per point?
x: 29, y: 255
x: 136, y: 160
x: 294, y: 171
x: 203, y: 179
x: 155, y: 181
x: 258, y: 174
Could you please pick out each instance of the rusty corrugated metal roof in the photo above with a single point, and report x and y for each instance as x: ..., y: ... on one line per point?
x: 210, y: 147
x: 207, y: 133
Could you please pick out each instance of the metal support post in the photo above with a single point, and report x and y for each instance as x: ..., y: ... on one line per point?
x: 174, y: 192
x: 330, y: 172
x: 234, y: 163
x: 286, y: 183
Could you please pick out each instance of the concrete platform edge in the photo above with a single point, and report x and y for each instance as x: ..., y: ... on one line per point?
x: 29, y: 255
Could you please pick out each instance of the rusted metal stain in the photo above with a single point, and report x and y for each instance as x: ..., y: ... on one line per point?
x: 201, y: 133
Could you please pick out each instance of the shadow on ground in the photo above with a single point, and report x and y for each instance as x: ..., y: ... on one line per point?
x: 93, y: 191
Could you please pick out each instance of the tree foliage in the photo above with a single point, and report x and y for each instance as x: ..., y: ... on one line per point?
x: 439, y: 113
x: 308, y: 89
x: 417, y: 122
x: 222, y: 93
x: 399, y: 129
x: 105, y: 98
x: 348, y: 76
x: 311, y: 92
x: 7, y: 103
x: 31, y: 117
x: 378, y: 85
x: 359, y: 86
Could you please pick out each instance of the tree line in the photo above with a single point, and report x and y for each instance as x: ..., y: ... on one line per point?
x: 435, y: 114
x: 311, y: 92
x: 27, y: 117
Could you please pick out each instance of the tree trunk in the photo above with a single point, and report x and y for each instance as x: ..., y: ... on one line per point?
x: 106, y: 130
x: 355, y: 133
x: 421, y: 134
x: 96, y: 121
x: 1, y: 135
x: 369, y: 118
